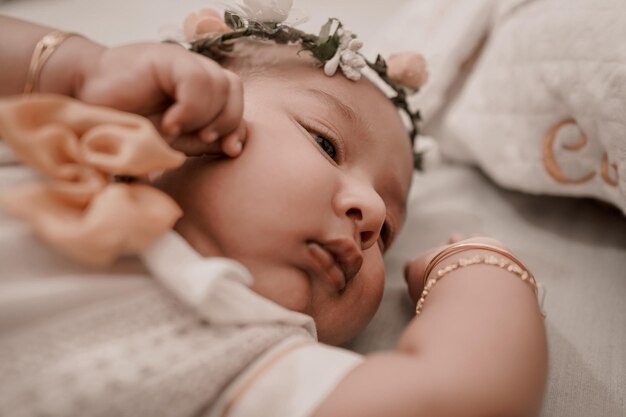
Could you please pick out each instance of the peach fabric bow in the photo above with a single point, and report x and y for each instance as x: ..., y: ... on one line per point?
x: 81, y: 211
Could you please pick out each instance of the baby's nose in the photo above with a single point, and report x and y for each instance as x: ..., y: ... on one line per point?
x: 365, y: 235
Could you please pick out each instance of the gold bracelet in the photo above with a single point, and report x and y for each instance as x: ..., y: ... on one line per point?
x: 462, y: 247
x: 503, y: 263
x: 43, y: 50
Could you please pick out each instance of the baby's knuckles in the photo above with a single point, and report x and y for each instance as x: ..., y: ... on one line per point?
x: 140, y: 77
x: 214, y: 82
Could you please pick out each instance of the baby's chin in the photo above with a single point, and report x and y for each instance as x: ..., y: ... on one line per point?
x: 283, y: 284
x: 293, y: 289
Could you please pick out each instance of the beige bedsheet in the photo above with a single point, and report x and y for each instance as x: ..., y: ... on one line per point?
x: 577, y: 248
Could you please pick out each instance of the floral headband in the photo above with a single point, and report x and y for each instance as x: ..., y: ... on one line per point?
x: 336, y: 48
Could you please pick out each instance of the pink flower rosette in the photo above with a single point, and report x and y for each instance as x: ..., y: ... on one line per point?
x: 80, y: 209
x: 203, y: 22
x: 408, y: 69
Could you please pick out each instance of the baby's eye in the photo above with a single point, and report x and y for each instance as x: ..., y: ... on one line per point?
x: 326, y: 145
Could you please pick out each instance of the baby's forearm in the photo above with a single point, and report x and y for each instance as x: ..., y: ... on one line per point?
x: 60, y: 74
x: 482, y: 327
x: 477, y: 349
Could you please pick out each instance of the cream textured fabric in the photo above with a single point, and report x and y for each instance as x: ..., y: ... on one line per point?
x: 531, y: 91
x: 140, y: 354
x: 300, y: 375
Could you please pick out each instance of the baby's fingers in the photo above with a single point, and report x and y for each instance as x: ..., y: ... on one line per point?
x: 414, y: 272
x: 191, y: 145
x: 232, y: 144
x: 230, y: 118
x: 200, y: 89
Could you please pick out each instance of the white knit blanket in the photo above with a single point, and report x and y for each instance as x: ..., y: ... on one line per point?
x: 533, y: 92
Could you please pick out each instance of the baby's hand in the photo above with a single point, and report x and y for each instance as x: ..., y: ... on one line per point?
x: 414, y: 270
x: 195, y: 103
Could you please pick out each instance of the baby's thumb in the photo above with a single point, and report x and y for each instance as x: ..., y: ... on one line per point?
x: 414, y: 272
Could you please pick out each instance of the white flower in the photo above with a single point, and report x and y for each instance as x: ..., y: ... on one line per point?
x: 266, y: 11
x: 351, y: 64
x: 355, y: 45
x: 347, y: 57
x: 345, y: 36
x: 330, y: 67
x: 351, y: 73
x: 429, y: 149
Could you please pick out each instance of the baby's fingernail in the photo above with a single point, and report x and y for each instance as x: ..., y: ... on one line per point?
x: 237, y: 148
x: 210, y: 137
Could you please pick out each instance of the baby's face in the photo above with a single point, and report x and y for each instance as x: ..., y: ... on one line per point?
x: 311, y: 204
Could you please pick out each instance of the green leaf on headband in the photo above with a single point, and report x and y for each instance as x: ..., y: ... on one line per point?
x: 200, y: 45
x: 326, y: 50
x: 234, y: 21
x: 380, y: 63
x: 227, y: 47
x: 325, y: 32
x: 284, y: 35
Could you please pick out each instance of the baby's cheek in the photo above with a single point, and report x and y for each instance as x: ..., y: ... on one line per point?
x: 284, y: 286
x: 364, y: 302
x: 373, y: 280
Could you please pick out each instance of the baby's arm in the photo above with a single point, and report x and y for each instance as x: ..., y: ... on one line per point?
x: 477, y: 349
x: 187, y: 96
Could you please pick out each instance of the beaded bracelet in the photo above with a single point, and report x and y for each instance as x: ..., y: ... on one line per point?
x: 43, y: 50
x: 511, y: 265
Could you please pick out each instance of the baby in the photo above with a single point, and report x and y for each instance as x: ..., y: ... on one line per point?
x: 315, y: 198
x: 309, y: 194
